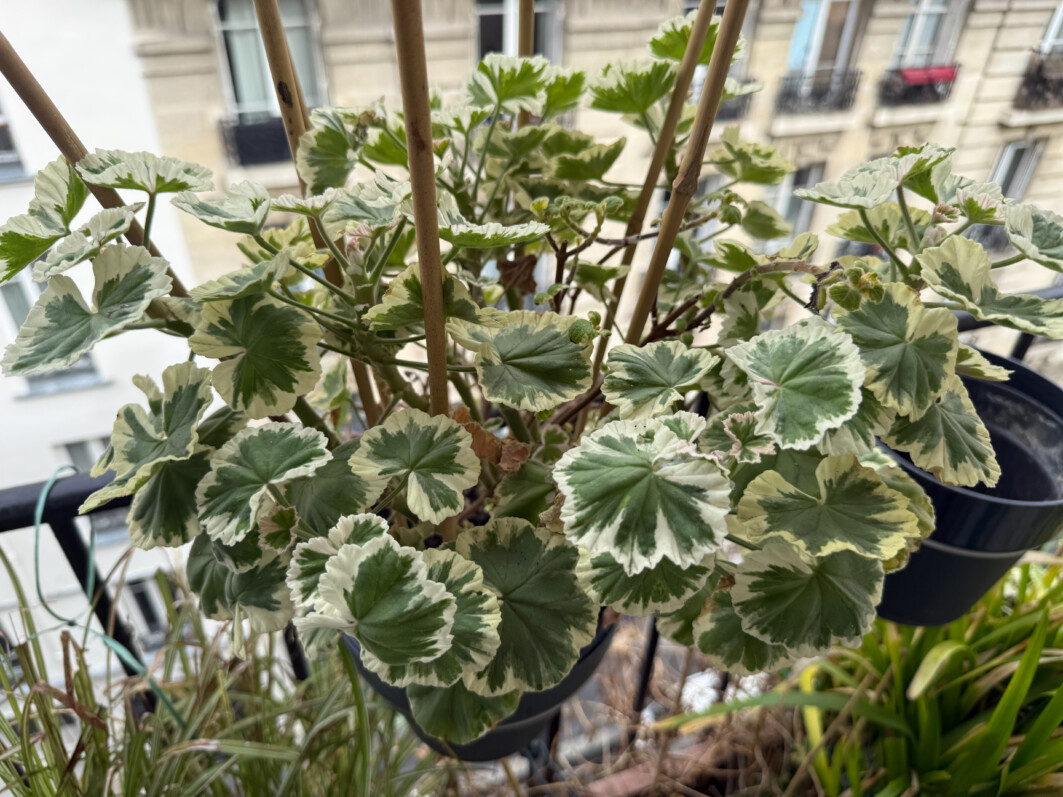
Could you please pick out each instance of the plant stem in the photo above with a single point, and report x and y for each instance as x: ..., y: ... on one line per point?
x: 149, y: 217
x: 516, y: 424
x: 916, y: 245
x: 306, y: 415
x: 482, y: 162
x: 365, y: 392
x: 1009, y: 261
x: 399, y: 387
x: 334, y: 250
x: 962, y: 228
x: 413, y: 78
x: 315, y: 311
x: 378, y: 267
x: 882, y: 242
x: 686, y: 182
x: 662, y: 147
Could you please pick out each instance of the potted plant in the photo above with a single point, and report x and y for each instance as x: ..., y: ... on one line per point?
x: 466, y: 512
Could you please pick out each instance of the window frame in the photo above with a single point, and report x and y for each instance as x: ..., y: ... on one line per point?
x: 9, y: 156
x: 1034, y: 148
x: 784, y: 194
x: 1052, y: 40
x: 842, y: 62
x: 150, y: 639
x: 509, y: 10
x: 953, y: 15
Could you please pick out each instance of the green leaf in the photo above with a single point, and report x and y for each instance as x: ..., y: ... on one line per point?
x: 865, y: 186
x: 431, y: 457
x: 887, y: 220
x: 247, y: 281
x: 718, y: 633
x: 243, y: 210
x: 402, y: 305
x: 58, y: 192
x: 330, y: 493
x: 527, y: 493
x: 260, y: 595
x: 164, y: 508
x: 509, y: 84
x: 949, y: 440
x: 456, y: 713
x: 207, y: 577
x: 646, y: 381
x: 859, y: 434
x: 476, y: 619
x: 664, y: 587
x: 328, y: 151
x: 760, y: 164
x: 236, y: 492
x: 143, y: 171
x: 761, y: 220
x: 529, y: 361
x: 960, y: 269
x: 590, y: 164
x: 564, y: 90
x: 86, y: 243
x: 909, y: 350
x: 670, y: 41
x: 805, y: 379
x: 310, y: 557
x: 492, y: 234
x: 971, y: 362
x: 220, y: 427
x: 377, y: 203
x: 314, y: 206
x: 1036, y: 233
x: 851, y: 510
x: 595, y: 279
x: 380, y: 592
x: 632, y: 87
x: 25, y: 238
x: 806, y: 606
x: 732, y: 436
x: 60, y: 327
x: 268, y: 353
x: 640, y: 493
x: 546, y: 616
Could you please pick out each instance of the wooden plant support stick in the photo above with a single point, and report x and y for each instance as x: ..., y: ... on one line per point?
x: 686, y: 182
x: 664, y: 144
x: 525, y: 44
x: 62, y: 135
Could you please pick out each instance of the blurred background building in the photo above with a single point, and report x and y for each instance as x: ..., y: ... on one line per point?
x: 843, y: 81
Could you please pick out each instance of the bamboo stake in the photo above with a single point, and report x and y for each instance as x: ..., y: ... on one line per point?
x: 66, y: 140
x: 686, y: 182
x: 666, y: 136
x: 525, y: 44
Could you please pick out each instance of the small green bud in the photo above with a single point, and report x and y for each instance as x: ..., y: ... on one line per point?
x: 687, y: 338
x: 595, y: 318
x: 582, y: 331
x: 730, y: 214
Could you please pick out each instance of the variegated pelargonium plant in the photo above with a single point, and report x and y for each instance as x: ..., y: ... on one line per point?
x: 469, y: 553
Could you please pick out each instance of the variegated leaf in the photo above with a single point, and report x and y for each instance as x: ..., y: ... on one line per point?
x: 402, y: 305
x: 456, y: 713
x: 919, y: 503
x: 909, y: 350
x: 328, y: 151
x: 851, y: 510
x: 268, y: 353
x: 949, y: 440
x: 761, y: 164
x: 248, y: 281
x: 260, y: 595
x: 163, y: 512
x: 1036, y: 233
x: 314, y: 206
x: 60, y: 327
x: 646, y: 381
x: 718, y: 633
x: 86, y: 243
x: 530, y: 361
x: 806, y: 607
x: 761, y: 220
x: 589, y: 164
x: 232, y: 497
x: 640, y: 493
x: 971, y: 362
x: 377, y: 203
x: 143, y: 171
x: 960, y: 269
x: 310, y: 557
x: 207, y: 577
x: 244, y: 209
x: 476, y: 620
x: 887, y: 221
x: 525, y: 494
x: 631, y: 87
x: 733, y: 436
x: 508, y: 83
x: 805, y: 379
x: 670, y: 41
x: 865, y: 186
x: 661, y: 588
x: 563, y: 88
x: 431, y: 457
x: 332, y: 492
x: 546, y: 616
x: 58, y: 192
x: 859, y: 434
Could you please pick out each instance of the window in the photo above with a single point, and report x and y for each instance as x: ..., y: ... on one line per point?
x: 499, y: 25
x: 797, y: 211
x: 249, y: 78
x: 10, y: 163
x: 18, y: 296
x: 1052, y: 41
x: 148, y: 613
x: 729, y: 109
x: 929, y: 33
x: 822, y: 40
x: 1015, y: 165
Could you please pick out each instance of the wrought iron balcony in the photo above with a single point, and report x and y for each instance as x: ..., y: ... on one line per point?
x: 916, y: 85
x: 817, y: 93
x: 256, y: 141
x: 1042, y: 86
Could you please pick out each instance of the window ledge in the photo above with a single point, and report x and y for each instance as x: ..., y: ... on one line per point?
x: 64, y: 389
x: 812, y: 124
x: 1014, y: 117
x: 908, y: 115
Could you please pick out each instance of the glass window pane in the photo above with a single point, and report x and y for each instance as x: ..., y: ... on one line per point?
x: 801, y: 41
x: 301, y: 44
x: 832, y: 35
x: 542, y: 33
x: 237, y: 11
x: 490, y: 33
x: 18, y: 301
x: 248, y: 69
x: 80, y: 455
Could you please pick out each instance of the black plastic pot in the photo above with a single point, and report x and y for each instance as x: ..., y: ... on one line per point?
x: 982, y: 532
x: 516, y: 731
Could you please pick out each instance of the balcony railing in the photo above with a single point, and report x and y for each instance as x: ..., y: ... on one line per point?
x: 917, y: 85
x: 255, y: 142
x: 817, y: 93
x: 734, y: 108
x: 1042, y: 86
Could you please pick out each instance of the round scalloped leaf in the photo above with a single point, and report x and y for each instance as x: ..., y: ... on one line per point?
x: 850, y: 510
x: 632, y: 87
x: 259, y: 594
x: 591, y: 163
x: 492, y: 234
x: 476, y: 620
x: 58, y: 192
x: 919, y: 503
x: 268, y: 351
x: 207, y: 577
x: 456, y: 713
x: 377, y: 203
x: 309, y: 557
x: 143, y: 171
x: 678, y: 625
x: 718, y: 633
x: 949, y: 440
x: 865, y: 186
x: 163, y: 512
x: 859, y: 434
x: 960, y: 269
x: 887, y: 220
x: 508, y: 83
x: 749, y: 162
x: 805, y: 379
x: 60, y: 327
x: 529, y: 361
x: 332, y: 492
x: 314, y: 206
x: 328, y: 151
x: 382, y: 593
x: 527, y: 493
x: 546, y: 615
x: 733, y: 437
x: 236, y: 491
x: 244, y: 209
x: 402, y: 306
x: 247, y: 281
x: 670, y: 41
x: 640, y: 493
x: 763, y: 221
x: 646, y: 381
x: 971, y: 362
x: 662, y: 588
x: 909, y: 350
x: 86, y: 243
x: 806, y: 606
x: 1036, y: 233
x: 431, y: 456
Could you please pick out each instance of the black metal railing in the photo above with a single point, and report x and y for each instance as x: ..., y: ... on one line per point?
x: 1042, y: 85
x: 734, y: 108
x: 250, y: 143
x: 817, y: 93
x: 917, y: 85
